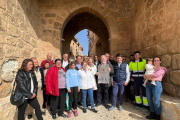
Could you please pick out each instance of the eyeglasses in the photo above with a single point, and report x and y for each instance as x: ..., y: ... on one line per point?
x: 156, y: 60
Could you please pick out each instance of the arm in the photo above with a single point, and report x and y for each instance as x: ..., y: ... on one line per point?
x: 94, y: 70
x: 112, y: 69
x: 128, y: 74
x: 67, y: 80
x: 49, y: 81
x: 20, y: 86
x: 93, y: 80
x: 156, y: 74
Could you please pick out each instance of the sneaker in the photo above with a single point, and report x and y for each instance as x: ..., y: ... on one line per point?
x: 76, y: 113
x: 84, y: 110
x: 93, y: 110
x: 137, y: 108
x: 120, y: 108
x: 69, y: 114
x: 112, y: 108
x: 54, y: 117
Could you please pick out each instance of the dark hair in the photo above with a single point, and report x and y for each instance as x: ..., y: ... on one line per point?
x: 132, y: 55
x: 44, y: 64
x: 73, y: 62
x: 57, y: 60
x: 78, y: 56
x: 137, y: 52
x: 95, y: 55
x: 24, y: 65
x: 119, y: 55
x: 157, y: 57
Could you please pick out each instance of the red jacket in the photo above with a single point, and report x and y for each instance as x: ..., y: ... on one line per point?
x: 52, y: 81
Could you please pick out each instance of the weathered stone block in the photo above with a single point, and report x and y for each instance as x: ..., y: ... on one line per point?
x: 166, y: 60
x: 26, y: 54
x: 176, y: 61
x: 35, y: 53
x: 10, y: 51
x: 47, y: 32
x: 5, y: 90
x: 7, y: 76
x: 3, y: 4
x: 169, y: 88
x: 157, y: 5
x: 11, y: 40
x: 57, y: 25
x: 9, y: 65
x: 50, y: 15
x: 175, y: 77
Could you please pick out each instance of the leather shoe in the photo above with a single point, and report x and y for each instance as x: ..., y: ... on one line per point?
x: 107, y: 106
x: 54, y: 117
x: 98, y: 104
x: 151, y: 116
x: 84, y: 110
x: 62, y: 115
x: 95, y: 111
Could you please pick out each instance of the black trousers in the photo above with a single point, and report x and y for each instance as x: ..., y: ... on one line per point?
x: 35, y: 104
x: 128, y: 91
x: 73, y: 96
x: 55, y: 102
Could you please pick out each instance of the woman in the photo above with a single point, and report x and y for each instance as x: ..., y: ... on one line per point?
x: 56, y: 87
x: 73, y: 87
x: 155, y: 91
x: 27, y: 85
x: 87, y: 84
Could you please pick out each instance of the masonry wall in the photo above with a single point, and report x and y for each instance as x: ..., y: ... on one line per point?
x: 155, y: 26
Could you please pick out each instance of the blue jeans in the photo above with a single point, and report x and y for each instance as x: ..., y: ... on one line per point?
x: 154, y: 92
x: 117, y: 87
x: 90, y: 94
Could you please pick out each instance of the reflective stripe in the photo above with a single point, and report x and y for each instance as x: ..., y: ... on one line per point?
x: 136, y: 75
x: 145, y: 102
x: 138, y: 71
x: 138, y: 99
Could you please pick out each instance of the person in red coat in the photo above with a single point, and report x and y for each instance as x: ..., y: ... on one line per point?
x: 56, y: 87
x: 49, y: 60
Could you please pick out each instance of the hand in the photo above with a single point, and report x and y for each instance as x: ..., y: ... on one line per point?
x: 50, y: 92
x: 97, y: 74
x: 89, y: 69
x: 69, y: 90
x: 132, y: 79
x: 109, y: 69
x: 33, y: 96
x: 112, y: 82
x: 93, y: 88
x: 125, y: 83
x: 78, y: 90
x: 144, y: 76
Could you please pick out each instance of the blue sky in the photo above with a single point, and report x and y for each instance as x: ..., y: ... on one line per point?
x: 83, y: 40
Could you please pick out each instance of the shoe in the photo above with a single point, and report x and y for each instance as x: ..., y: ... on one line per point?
x: 29, y: 116
x: 137, y: 108
x: 112, y: 108
x: 107, y: 106
x: 84, y: 110
x: 98, y: 104
x: 54, y: 117
x: 120, y: 108
x: 69, y: 114
x: 151, y: 116
x: 76, y: 113
x: 93, y: 110
x: 157, y: 117
x: 79, y: 103
x: 62, y: 115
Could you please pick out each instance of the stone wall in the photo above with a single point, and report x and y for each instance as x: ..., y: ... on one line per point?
x: 155, y: 26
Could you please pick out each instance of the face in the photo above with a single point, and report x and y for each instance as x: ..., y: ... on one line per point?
x: 103, y: 59
x: 29, y: 66
x: 36, y: 64
x: 92, y: 56
x: 132, y: 57
x: 85, y: 59
x: 49, y: 57
x: 84, y: 66
x: 150, y: 62
x: 65, y: 57
x: 96, y: 58
x: 46, y: 66
x: 79, y: 60
x: 107, y: 56
x: 73, y: 66
x: 137, y: 56
x: 119, y: 59
x: 112, y: 57
x: 157, y: 62
x: 58, y: 64
x: 90, y: 62
x: 124, y: 59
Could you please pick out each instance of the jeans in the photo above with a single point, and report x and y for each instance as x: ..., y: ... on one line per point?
x: 154, y: 92
x: 35, y: 104
x: 73, y: 95
x: 102, y: 89
x: 90, y: 94
x: 55, y: 100
x: 117, y: 87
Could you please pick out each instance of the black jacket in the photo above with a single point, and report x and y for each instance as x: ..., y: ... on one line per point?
x: 23, y: 84
x: 99, y: 62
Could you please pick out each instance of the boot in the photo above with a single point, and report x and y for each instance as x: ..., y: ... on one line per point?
x: 151, y: 116
x: 157, y: 117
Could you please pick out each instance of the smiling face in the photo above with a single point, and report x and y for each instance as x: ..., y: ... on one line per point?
x: 65, y: 57
x: 49, y: 57
x: 36, y: 64
x: 107, y: 57
x: 103, y: 60
x: 29, y: 66
x: 84, y: 66
x: 58, y: 64
x: 157, y: 61
x: 137, y: 56
x: 119, y: 59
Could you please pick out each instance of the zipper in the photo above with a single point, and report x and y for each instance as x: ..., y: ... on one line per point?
x: 138, y: 70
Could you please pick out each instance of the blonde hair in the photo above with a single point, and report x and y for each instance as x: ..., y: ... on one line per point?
x: 92, y: 60
x: 150, y: 59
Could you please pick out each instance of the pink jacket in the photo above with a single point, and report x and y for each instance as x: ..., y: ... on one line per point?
x: 159, y: 73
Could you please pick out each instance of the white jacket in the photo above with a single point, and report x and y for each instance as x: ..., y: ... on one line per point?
x: 93, y: 69
x: 87, y: 80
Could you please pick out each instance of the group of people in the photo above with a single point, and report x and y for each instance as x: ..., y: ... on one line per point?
x: 85, y: 80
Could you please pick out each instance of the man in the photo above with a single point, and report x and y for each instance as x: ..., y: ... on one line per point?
x: 49, y: 59
x: 124, y: 59
x: 41, y: 86
x: 78, y: 60
x: 137, y: 66
x: 64, y: 61
x: 121, y: 78
x: 128, y: 90
x: 92, y: 56
x: 112, y: 60
x: 85, y: 58
x: 103, y: 88
x: 96, y: 61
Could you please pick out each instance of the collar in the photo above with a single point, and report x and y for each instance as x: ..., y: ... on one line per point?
x: 78, y: 64
x: 65, y: 61
x: 48, y: 60
x: 140, y: 60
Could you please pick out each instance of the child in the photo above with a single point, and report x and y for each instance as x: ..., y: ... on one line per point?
x: 149, y: 70
x: 73, y: 87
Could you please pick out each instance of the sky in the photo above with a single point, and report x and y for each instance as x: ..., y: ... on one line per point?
x: 83, y: 40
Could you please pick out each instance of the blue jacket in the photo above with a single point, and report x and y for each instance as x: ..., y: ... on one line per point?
x: 120, y: 73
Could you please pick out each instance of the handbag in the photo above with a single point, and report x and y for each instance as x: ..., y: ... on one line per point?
x: 16, y: 97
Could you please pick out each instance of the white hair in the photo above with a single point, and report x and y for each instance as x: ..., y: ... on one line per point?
x: 103, y: 56
x: 107, y: 54
x: 49, y: 54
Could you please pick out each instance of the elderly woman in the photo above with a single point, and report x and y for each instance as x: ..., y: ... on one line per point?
x: 87, y: 84
x: 155, y: 91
